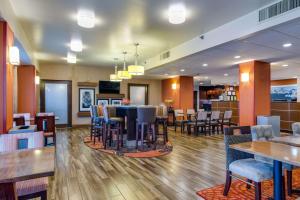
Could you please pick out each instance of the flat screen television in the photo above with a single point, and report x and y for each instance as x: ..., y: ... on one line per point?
x: 108, y: 87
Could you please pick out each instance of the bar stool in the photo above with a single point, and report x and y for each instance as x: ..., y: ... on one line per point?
x: 97, y: 125
x: 162, y: 119
x: 145, y: 117
x: 113, y: 125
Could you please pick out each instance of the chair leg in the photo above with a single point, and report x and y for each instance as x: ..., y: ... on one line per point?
x: 137, y: 136
x: 257, y: 190
x: 228, y: 183
x: 289, y: 176
x: 44, y: 195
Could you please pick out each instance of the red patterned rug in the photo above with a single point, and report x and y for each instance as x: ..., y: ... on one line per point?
x: 159, y: 151
x: 238, y: 190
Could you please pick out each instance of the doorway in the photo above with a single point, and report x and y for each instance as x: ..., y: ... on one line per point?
x: 56, y: 96
x: 138, y: 94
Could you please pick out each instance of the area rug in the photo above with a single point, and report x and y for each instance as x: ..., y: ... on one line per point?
x: 238, y: 190
x: 160, y: 149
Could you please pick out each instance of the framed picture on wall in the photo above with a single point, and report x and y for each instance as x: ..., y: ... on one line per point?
x: 86, y: 99
x: 103, y: 102
x: 233, y: 93
x: 229, y: 93
x: 116, y: 102
x: 231, y: 88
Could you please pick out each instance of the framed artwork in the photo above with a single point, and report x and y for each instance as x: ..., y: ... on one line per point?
x: 103, y: 102
x: 86, y: 99
x: 229, y: 93
x: 284, y: 93
x: 116, y: 102
x: 231, y: 88
x: 233, y: 93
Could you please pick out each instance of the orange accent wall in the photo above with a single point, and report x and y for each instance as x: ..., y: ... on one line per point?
x: 26, y: 89
x: 183, y: 95
x: 255, y: 98
x: 6, y: 78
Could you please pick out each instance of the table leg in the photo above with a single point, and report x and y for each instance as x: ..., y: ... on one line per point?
x: 8, y: 191
x: 278, y: 187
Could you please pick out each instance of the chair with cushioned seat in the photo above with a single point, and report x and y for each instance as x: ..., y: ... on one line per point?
x: 213, y: 122
x: 146, y: 118
x: 296, y: 128
x: 46, y: 122
x: 241, y: 164
x: 199, y: 122
x: 226, y: 119
x: 265, y: 133
x: 113, y: 126
x: 179, y: 119
x: 162, y: 119
x: 30, y: 188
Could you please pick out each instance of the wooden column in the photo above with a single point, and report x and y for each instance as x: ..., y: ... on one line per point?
x: 255, y: 97
x: 6, y: 78
x: 26, y: 89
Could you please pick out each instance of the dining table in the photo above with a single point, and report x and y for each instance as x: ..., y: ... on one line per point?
x: 22, y: 165
x: 279, y: 153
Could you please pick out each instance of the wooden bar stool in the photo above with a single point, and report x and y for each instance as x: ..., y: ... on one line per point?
x: 162, y: 119
x: 113, y: 126
x: 97, y: 125
x: 145, y: 118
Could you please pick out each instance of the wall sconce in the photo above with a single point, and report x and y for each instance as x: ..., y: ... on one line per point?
x: 245, y: 77
x: 37, y: 80
x: 174, y: 86
x: 14, y: 55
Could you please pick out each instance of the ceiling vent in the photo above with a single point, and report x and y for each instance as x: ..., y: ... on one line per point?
x: 278, y: 8
x: 165, y: 55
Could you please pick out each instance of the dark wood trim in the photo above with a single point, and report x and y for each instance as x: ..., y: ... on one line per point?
x: 140, y: 85
x: 83, y: 114
x: 110, y: 96
x: 42, y: 97
x: 87, y: 84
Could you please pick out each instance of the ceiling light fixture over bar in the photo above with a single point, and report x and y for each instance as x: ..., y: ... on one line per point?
x: 136, y: 69
x: 114, y: 77
x: 124, y: 74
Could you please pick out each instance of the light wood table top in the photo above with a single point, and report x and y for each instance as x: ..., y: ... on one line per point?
x: 276, y: 151
x: 26, y: 164
x: 289, y: 140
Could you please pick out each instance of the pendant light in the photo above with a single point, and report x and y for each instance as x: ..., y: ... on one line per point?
x: 124, y: 74
x: 114, y: 77
x: 136, y: 69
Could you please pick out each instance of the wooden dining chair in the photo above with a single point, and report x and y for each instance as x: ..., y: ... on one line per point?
x: 179, y: 119
x: 36, y: 187
x: 46, y: 122
x: 241, y: 164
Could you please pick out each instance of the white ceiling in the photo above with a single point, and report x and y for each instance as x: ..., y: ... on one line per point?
x: 264, y: 46
x: 51, y: 24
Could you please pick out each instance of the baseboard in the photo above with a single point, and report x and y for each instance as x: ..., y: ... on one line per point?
x: 81, y: 125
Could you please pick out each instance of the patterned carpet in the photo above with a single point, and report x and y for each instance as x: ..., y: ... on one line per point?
x: 160, y: 150
x: 238, y: 190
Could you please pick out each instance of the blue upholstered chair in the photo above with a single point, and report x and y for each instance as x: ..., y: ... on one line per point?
x: 241, y: 164
x: 265, y: 133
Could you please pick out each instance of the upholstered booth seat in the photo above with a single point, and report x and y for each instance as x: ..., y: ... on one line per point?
x: 252, y: 169
x: 31, y: 186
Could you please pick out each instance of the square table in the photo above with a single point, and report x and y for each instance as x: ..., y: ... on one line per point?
x: 19, y: 129
x: 289, y: 140
x: 279, y: 153
x: 24, y: 165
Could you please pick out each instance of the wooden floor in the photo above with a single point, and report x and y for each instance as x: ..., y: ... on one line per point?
x: 82, y: 173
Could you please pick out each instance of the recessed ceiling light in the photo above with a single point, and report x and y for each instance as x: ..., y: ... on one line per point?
x: 237, y: 57
x: 177, y: 13
x: 204, y: 65
x: 76, y: 45
x: 86, y: 18
x: 285, y: 65
x: 71, y: 58
x: 182, y: 70
x: 226, y: 75
x: 287, y: 45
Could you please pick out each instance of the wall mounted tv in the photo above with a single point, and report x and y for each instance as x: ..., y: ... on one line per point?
x: 108, y: 87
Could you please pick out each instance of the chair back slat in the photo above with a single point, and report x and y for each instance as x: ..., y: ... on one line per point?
x: 215, y: 115
x: 9, y: 142
x: 178, y: 113
x: 146, y: 114
x: 48, y: 120
x: 190, y: 112
x: 202, y: 116
x: 227, y: 114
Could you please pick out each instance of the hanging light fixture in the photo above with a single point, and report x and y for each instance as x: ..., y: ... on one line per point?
x: 114, y: 77
x: 136, y: 69
x: 124, y: 74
